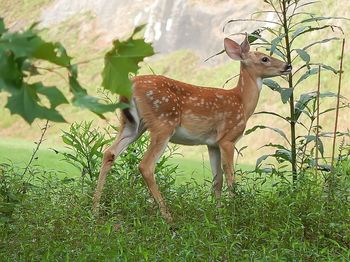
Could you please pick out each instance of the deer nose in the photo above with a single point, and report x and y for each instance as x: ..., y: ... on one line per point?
x: 289, y: 67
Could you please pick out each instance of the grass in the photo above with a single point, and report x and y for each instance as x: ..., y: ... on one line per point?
x: 302, y: 223
x: 44, y: 217
x: 18, y: 152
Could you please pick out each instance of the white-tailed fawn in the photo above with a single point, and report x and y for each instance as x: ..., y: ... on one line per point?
x: 181, y: 113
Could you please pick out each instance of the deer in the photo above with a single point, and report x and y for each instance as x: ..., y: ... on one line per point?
x: 182, y: 113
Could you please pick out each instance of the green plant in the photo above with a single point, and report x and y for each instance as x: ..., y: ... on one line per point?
x: 54, y: 222
x: 12, y: 188
x: 293, y: 24
x: 25, y: 55
x: 85, y: 146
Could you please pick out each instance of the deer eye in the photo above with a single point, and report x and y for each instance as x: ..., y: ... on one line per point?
x: 265, y: 59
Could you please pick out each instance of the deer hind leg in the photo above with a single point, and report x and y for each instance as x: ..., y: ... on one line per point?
x: 129, y: 133
x: 215, y: 163
x: 227, y: 151
x: 147, y: 167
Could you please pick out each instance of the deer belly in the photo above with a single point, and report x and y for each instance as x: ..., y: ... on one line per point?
x: 184, y: 137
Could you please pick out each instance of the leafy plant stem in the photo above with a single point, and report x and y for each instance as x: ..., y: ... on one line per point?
x: 318, y: 116
x: 338, y: 100
x: 291, y: 99
x: 303, y: 156
x: 38, y: 144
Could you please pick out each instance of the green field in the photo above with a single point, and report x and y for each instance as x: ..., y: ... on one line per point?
x: 19, y: 151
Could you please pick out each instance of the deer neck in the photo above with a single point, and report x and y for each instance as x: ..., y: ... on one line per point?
x: 249, y: 86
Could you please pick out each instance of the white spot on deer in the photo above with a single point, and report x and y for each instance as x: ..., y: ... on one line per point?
x: 219, y: 96
x: 149, y: 93
x: 193, y: 98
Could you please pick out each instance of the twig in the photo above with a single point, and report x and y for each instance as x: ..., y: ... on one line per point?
x: 44, y: 129
x: 338, y: 99
x: 318, y: 115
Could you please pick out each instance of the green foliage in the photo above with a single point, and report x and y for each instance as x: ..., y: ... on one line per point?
x: 22, y: 56
x: 122, y: 60
x: 85, y: 145
x: 282, y: 39
x: 85, y: 148
x: 285, y: 223
x: 12, y: 189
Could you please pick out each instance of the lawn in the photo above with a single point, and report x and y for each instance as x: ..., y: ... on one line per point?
x: 18, y: 152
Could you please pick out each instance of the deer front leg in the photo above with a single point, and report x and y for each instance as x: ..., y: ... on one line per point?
x: 215, y: 163
x: 227, y: 151
x: 147, y: 167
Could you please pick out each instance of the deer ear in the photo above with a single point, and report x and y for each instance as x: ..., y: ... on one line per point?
x: 245, y: 46
x: 233, y: 49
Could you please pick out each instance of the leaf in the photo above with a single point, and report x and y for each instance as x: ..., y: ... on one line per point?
x: 322, y: 18
x: 321, y: 42
x: 310, y: 138
x: 93, y: 104
x: 329, y: 68
x: 272, y: 84
x: 299, y: 31
x: 283, y: 154
x: 307, y: 29
x: 284, y: 92
x: 52, y: 52
x: 306, y: 75
x: 83, y: 100
x: 67, y: 141
x: 137, y: 29
x: 54, y: 95
x: 252, y: 37
x: 260, y: 159
x: 275, y: 42
x: 28, y: 44
x: 278, y: 146
x: 10, y: 73
x: 277, y: 130
x: 303, y: 55
x: 24, y: 102
x: 248, y: 20
x: 122, y: 60
x: 302, y: 103
x: 21, y: 44
x: 278, y: 53
x: 2, y: 26
x: 272, y: 113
